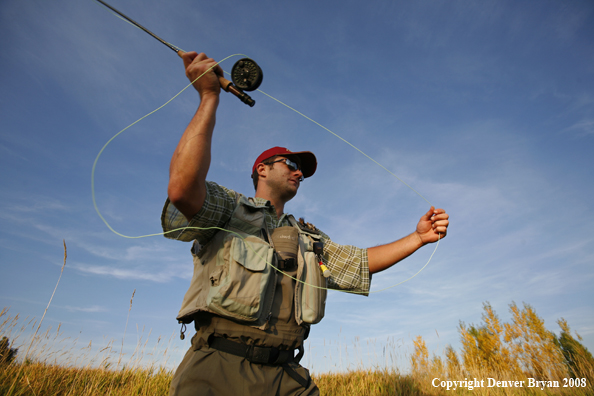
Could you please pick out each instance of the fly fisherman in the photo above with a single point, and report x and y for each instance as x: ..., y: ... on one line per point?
x: 250, y: 315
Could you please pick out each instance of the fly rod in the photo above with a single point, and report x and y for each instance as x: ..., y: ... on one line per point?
x: 246, y: 74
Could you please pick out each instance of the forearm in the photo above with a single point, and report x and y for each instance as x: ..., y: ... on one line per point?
x: 191, y: 159
x: 385, y: 256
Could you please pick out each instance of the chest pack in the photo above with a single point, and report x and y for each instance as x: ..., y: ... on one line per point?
x: 235, y: 273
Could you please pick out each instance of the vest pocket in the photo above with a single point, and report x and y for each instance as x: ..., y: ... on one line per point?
x: 311, y: 293
x: 246, y: 287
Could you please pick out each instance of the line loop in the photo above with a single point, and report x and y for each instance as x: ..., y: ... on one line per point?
x: 218, y: 228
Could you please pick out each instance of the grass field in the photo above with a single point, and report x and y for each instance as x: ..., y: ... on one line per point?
x: 46, y: 379
x: 48, y: 366
x: 521, y: 357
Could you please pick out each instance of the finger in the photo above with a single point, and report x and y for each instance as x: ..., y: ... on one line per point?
x: 219, y: 70
x: 188, y: 57
x: 198, y: 59
x: 441, y: 220
x: 440, y: 224
x: 429, y: 214
x: 209, y: 64
x: 442, y: 232
x: 443, y: 216
x: 200, y: 66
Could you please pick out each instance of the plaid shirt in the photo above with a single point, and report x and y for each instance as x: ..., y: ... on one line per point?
x: 348, y: 264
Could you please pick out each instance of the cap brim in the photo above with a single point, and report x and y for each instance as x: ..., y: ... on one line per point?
x: 308, y: 160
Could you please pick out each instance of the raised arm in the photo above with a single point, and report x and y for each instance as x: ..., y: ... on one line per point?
x: 431, y: 227
x: 191, y: 159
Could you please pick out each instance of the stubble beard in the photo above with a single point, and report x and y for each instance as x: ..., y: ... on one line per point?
x: 284, y: 190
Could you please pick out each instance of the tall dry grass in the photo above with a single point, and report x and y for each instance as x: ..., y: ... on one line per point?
x: 523, y: 351
x: 515, y: 351
x: 57, y: 366
x: 48, y: 364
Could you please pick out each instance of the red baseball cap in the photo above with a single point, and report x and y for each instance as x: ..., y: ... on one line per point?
x: 307, y: 158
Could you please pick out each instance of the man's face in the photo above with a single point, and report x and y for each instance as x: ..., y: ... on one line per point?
x: 283, y: 178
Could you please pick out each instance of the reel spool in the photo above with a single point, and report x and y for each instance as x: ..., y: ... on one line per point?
x: 246, y: 74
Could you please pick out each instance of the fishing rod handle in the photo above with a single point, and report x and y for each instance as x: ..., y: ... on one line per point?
x: 229, y: 87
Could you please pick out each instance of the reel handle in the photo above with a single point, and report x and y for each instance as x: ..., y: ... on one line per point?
x: 229, y: 87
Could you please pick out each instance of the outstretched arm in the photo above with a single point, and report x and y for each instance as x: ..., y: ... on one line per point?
x: 191, y: 159
x: 431, y: 227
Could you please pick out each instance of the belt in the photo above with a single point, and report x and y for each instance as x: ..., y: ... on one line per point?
x: 271, y: 356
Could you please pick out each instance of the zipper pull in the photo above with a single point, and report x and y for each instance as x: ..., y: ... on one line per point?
x: 182, y: 336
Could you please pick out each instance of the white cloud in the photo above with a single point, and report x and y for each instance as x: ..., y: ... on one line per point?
x: 15, y: 206
x: 122, y: 273
x: 92, y: 309
x: 582, y: 128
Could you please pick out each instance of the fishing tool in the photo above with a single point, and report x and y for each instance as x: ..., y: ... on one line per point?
x: 245, y: 73
x: 318, y: 249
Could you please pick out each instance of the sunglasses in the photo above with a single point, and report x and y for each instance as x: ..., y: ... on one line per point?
x: 293, y: 166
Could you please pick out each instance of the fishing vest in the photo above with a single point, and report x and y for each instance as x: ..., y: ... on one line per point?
x: 235, y: 273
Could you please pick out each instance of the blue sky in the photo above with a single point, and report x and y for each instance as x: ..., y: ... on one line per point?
x: 486, y: 108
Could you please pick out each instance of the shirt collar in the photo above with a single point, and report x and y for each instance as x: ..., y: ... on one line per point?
x: 258, y: 201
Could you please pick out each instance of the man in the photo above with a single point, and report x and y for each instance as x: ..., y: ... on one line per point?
x: 254, y: 293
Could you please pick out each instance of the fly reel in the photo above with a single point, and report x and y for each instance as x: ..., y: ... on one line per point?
x: 246, y: 74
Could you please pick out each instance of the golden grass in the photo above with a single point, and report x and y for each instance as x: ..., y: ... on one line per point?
x: 54, y: 365
x: 515, y: 351
x: 46, y: 379
x: 54, y: 369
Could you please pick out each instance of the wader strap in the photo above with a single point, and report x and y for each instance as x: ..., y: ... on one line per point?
x: 304, y: 382
x: 297, y: 358
x: 261, y: 355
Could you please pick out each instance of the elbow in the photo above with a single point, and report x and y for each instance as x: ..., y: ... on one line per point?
x: 186, y: 200
x: 176, y: 195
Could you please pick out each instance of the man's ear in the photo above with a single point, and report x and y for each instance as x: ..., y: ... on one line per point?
x: 262, y: 170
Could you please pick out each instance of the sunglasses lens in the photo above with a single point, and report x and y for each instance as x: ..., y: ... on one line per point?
x: 292, y: 166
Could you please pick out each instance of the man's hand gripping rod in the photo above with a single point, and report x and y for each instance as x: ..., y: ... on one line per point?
x: 229, y: 87
x: 246, y: 73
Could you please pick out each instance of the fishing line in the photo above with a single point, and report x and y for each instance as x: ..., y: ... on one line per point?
x: 122, y: 131
x: 219, y: 228
x: 347, y: 142
x: 246, y: 99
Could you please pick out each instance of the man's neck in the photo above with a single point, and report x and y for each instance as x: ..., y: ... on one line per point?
x: 279, y: 205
